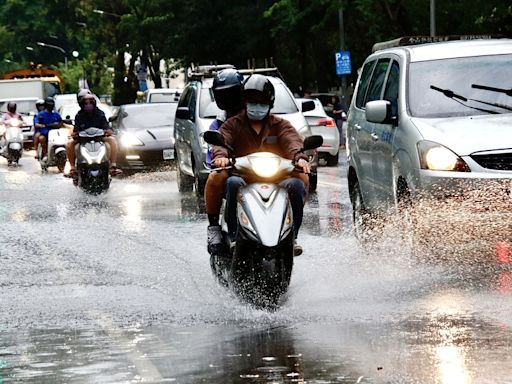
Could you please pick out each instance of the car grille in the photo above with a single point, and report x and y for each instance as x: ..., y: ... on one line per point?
x: 497, y: 161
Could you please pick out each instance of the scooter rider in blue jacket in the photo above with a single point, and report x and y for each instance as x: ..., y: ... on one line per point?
x: 43, y: 122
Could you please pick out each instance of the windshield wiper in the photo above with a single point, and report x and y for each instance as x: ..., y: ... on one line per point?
x: 456, y: 97
x: 507, y: 92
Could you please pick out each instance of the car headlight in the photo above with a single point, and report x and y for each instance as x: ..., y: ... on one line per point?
x: 435, y: 157
x: 129, y: 140
x: 264, y: 165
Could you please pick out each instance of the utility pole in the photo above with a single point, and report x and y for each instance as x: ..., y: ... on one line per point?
x: 342, y: 48
x: 432, y: 18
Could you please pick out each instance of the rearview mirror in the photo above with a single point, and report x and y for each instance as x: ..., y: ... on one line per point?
x: 312, y: 142
x: 380, y: 112
x: 214, y: 138
x: 183, y: 113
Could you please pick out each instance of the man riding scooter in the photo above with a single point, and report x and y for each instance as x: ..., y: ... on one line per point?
x: 91, y: 116
x: 255, y: 129
x: 43, y: 122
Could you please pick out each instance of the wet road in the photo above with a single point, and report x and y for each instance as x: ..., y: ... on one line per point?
x: 117, y: 289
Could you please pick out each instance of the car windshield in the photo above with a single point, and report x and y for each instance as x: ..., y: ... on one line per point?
x: 433, y: 84
x: 150, y: 116
x: 283, y: 104
x: 22, y: 106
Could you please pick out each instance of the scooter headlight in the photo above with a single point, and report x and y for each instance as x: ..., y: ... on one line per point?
x: 264, y: 164
x: 93, y: 158
x: 130, y: 140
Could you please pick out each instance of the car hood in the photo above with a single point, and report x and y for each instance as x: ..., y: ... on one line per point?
x: 468, y: 134
x: 298, y: 121
x: 148, y: 135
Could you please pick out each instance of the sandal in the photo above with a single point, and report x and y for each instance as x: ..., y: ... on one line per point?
x: 71, y: 174
x: 114, y: 170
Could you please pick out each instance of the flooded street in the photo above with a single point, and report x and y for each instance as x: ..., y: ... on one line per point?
x: 117, y: 288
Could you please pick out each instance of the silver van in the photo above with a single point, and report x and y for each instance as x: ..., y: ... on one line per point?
x: 196, y: 111
x: 429, y: 116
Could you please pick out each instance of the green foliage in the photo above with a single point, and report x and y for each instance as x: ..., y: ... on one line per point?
x: 299, y: 36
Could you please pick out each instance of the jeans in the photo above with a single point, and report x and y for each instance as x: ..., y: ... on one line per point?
x: 296, y: 193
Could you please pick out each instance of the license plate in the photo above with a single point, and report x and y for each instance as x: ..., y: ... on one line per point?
x: 168, y: 154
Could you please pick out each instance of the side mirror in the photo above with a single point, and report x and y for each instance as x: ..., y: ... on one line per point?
x: 380, y: 112
x: 183, y: 113
x: 214, y: 138
x: 312, y: 142
x: 308, y: 105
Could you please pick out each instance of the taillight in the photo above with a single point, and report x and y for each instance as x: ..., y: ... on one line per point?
x: 329, y: 123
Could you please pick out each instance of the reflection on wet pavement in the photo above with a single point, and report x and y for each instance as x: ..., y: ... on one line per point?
x: 118, y: 290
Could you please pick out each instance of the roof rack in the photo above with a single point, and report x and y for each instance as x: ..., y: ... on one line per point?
x: 415, y: 40
x: 205, y: 71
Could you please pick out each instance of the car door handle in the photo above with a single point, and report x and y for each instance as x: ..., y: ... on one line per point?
x: 357, y: 126
x: 374, y: 136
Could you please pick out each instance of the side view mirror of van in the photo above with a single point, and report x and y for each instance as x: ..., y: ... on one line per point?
x: 380, y: 112
x: 183, y: 113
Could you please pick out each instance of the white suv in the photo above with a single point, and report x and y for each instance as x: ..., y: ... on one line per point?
x: 428, y: 119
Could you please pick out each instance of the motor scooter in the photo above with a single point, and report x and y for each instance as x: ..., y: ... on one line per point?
x: 258, y: 264
x: 11, y: 141
x: 56, y: 149
x: 92, y: 162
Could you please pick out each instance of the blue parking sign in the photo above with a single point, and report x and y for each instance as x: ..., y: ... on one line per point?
x: 343, y: 63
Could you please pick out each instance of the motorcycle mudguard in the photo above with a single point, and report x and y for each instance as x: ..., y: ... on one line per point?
x: 264, y: 213
x: 15, y: 146
x: 59, y: 149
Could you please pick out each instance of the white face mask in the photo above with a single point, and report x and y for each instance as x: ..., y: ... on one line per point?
x: 257, y: 111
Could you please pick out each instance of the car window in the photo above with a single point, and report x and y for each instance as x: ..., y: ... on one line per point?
x: 154, y: 117
x: 185, y: 98
x: 459, y: 76
x: 363, y: 83
x: 378, y: 77
x: 284, y: 102
x: 207, y: 107
x: 392, y: 84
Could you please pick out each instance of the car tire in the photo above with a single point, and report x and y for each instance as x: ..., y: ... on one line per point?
x: 185, y: 182
x: 361, y: 218
x: 332, y: 160
x: 199, y: 184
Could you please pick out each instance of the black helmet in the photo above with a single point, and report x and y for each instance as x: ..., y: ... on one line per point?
x: 227, y: 89
x: 81, y: 93
x: 49, y: 103
x: 11, y: 106
x: 260, y: 83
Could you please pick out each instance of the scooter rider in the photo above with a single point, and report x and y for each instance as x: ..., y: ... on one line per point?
x: 255, y: 129
x: 91, y: 116
x: 44, y: 121
x: 227, y: 90
x: 10, y: 114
